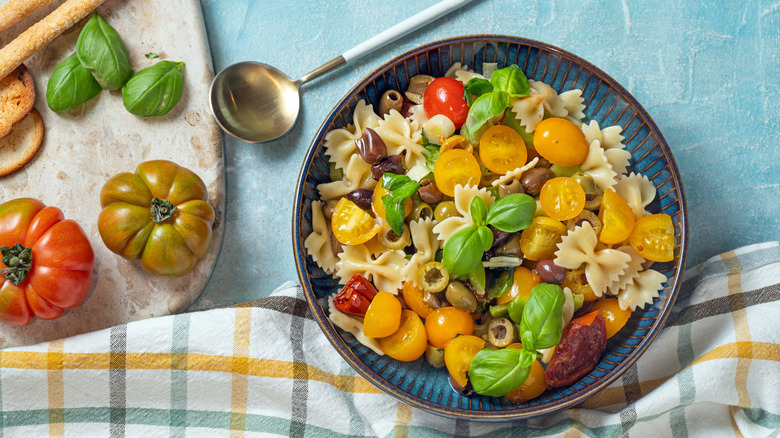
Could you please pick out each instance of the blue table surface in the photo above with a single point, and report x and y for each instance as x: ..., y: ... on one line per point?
x: 707, y: 72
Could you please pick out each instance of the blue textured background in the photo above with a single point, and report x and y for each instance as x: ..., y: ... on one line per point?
x: 707, y: 72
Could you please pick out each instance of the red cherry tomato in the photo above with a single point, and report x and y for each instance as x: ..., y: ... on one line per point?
x: 445, y: 96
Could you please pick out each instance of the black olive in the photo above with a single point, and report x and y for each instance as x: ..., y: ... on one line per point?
x: 499, y: 237
x: 533, y: 180
x: 371, y: 147
x: 468, y: 391
x: 361, y: 197
x: 391, y: 164
x: 391, y: 100
x: 549, y: 272
x: 429, y: 192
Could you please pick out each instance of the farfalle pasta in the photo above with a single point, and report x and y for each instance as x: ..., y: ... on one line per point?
x: 638, y: 192
x: 463, y: 197
x: 642, y: 291
x: 317, y: 243
x: 541, y: 101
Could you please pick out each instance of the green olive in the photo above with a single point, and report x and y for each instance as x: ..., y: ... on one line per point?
x: 433, y: 277
x: 420, y: 210
x: 586, y: 181
x: 461, y: 297
x: 501, y: 332
x: 336, y: 174
x: 592, y: 202
x: 434, y: 356
x: 445, y: 210
x: 585, y: 216
x: 390, y: 240
x: 328, y: 208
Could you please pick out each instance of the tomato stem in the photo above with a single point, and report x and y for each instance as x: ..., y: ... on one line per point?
x: 162, y: 210
x: 18, y: 260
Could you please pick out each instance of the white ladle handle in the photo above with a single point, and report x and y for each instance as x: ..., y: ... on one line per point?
x: 402, y: 28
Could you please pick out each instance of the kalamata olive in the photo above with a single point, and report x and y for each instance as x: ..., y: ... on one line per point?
x: 335, y: 245
x: 391, y: 100
x: 468, y: 391
x: 361, y: 197
x: 534, y: 179
x: 461, y: 297
x: 429, y: 192
x: 549, y: 272
x: 499, y: 237
x: 327, y: 209
x: 584, y: 310
x: 390, y: 164
x: 406, y: 108
x: 511, y: 246
x: 487, y: 255
x: 371, y: 147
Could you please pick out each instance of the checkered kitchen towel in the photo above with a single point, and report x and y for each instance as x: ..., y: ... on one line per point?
x: 265, y: 368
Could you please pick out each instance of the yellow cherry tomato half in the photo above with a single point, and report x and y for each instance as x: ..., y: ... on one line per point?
x: 578, y: 284
x: 523, y: 281
x: 561, y: 142
x: 414, y: 297
x: 502, y: 149
x: 383, y: 316
x: 617, y: 219
x: 653, y: 237
x: 459, y: 353
x: 408, y: 343
x: 562, y: 198
x: 379, y: 207
x: 456, y: 142
x: 445, y: 323
x: 533, y: 386
x: 351, y: 224
x: 614, y: 316
x: 454, y: 167
x: 540, y: 240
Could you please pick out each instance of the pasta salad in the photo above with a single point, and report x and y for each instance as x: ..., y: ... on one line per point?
x: 481, y: 222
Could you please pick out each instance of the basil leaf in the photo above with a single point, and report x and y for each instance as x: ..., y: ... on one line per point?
x: 406, y: 190
x: 102, y: 52
x: 516, y: 308
x: 500, y: 283
x: 511, y: 80
x: 462, y: 252
x: 486, y: 107
x: 485, y: 237
x: 496, y: 372
x: 512, y: 213
x: 542, y: 324
x: 477, y: 278
x: 431, y: 154
x: 155, y: 90
x: 478, y: 210
x: 391, y: 181
x: 394, y: 213
x: 476, y: 87
x: 70, y: 85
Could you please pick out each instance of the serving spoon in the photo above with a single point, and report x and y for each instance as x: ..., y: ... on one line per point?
x: 257, y: 103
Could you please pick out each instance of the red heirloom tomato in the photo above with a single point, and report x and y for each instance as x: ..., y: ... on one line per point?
x: 445, y: 96
x: 159, y: 214
x: 46, y: 265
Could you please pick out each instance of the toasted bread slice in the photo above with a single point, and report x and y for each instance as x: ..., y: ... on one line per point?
x: 21, y: 145
x: 17, y: 97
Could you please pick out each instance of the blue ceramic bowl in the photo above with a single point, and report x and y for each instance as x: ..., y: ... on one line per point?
x: 419, y: 384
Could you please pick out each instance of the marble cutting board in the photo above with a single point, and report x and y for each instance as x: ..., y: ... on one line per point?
x: 86, y: 146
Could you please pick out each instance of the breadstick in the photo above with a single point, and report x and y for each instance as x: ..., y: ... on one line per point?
x: 43, y: 32
x: 15, y: 10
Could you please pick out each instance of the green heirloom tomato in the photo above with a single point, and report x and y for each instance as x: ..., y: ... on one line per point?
x: 159, y: 214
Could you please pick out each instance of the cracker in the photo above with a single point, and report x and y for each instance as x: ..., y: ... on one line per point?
x: 17, y: 97
x: 19, y: 147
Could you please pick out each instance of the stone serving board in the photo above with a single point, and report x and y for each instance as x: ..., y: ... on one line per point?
x: 84, y: 147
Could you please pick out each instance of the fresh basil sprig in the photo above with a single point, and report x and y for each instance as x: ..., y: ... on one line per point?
x: 464, y: 250
x: 154, y: 90
x: 476, y: 87
x: 496, y: 372
x: 431, y: 153
x: 101, y: 51
x: 401, y: 188
x: 70, y: 85
x: 491, y: 99
x: 511, y: 80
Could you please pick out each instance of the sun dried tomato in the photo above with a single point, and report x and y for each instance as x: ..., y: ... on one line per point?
x: 582, y: 342
x: 356, y: 296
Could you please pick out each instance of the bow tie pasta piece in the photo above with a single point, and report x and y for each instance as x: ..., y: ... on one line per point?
x: 611, y: 141
x: 402, y: 137
x: 462, y: 73
x: 631, y: 272
x: 642, y: 291
x: 598, y: 166
x: 340, y: 143
x: 463, y: 197
x: 515, y: 174
x: 357, y: 175
x: 638, y: 192
x: 602, y: 268
x: 352, y: 325
x: 317, y: 243
x: 574, y: 104
x: 386, y: 271
x: 426, y: 244
x: 541, y: 100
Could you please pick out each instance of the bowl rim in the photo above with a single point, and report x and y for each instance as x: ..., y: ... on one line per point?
x: 456, y: 412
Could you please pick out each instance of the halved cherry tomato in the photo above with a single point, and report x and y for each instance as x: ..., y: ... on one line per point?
x: 561, y: 142
x: 540, y: 240
x: 379, y: 207
x: 445, y: 323
x: 356, y: 296
x: 408, y: 343
x: 445, y: 96
x: 458, y: 354
x: 534, y: 385
x: 351, y: 224
x: 456, y: 142
x: 653, y: 237
x: 523, y: 281
x: 562, y: 198
x: 617, y: 219
x: 578, y: 284
x: 501, y: 149
x: 383, y: 317
x: 614, y: 316
x: 454, y: 167
x: 414, y: 297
